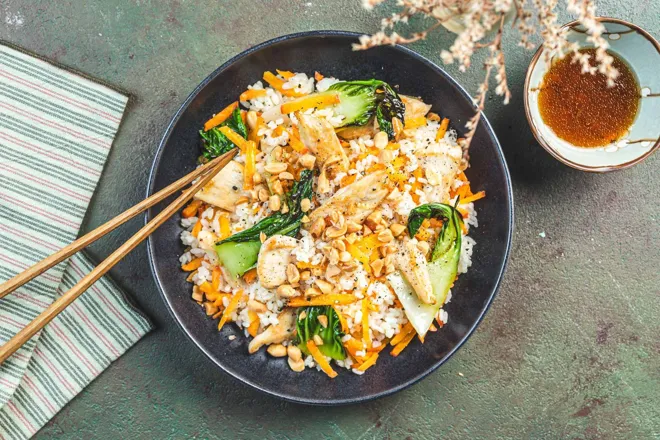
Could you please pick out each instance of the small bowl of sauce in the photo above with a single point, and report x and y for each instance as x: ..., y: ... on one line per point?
x: 586, y: 123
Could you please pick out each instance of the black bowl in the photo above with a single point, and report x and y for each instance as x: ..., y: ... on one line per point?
x: 330, y: 52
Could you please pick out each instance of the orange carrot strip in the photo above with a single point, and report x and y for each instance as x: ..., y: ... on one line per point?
x: 193, y: 264
x: 219, y: 302
x: 220, y: 117
x: 311, y: 101
x: 318, y: 76
x: 285, y: 73
x: 403, y: 344
x: 407, y: 328
x: 207, y: 288
x: 253, y: 135
x: 230, y: 308
x: 191, y: 209
x: 353, y: 346
x: 329, y: 299
x: 236, y: 138
x: 442, y: 130
x: 365, y: 322
x: 196, y: 229
x: 251, y: 94
x: 371, y: 361
x: 295, y: 142
x: 415, y: 122
x: 254, y: 323
x: 250, y: 165
x: 474, y: 197
x: 216, y: 277
x: 320, y: 359
x: 225, y: 229
x: 278, y: 83
x: 250, y: 276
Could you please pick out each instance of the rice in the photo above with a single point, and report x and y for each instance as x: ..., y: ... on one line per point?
x: 385, y: 315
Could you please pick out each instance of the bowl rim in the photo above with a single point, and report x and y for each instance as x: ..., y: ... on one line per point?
x: 545, y: 144
x: 282, y: 395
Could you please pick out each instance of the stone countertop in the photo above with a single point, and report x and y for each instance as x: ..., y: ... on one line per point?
x: 569, y: 348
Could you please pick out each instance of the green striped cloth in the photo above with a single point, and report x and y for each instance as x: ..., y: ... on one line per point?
x: 56, y: 129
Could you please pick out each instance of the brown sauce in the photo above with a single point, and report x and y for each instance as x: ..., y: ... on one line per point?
x: 582, y: 109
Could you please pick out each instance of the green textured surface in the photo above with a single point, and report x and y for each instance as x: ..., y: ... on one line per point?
x: 570, y: 348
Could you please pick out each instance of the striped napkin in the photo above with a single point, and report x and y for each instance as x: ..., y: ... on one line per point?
x: 56, y: 129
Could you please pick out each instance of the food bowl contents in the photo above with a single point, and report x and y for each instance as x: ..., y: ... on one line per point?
x: 582, y: 109
x: 339, y: 228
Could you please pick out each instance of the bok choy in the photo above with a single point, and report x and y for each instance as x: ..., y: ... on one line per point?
x: 214, y: 143
x: 308, y: 325
x: 442, y: 268
x: 239, y: 252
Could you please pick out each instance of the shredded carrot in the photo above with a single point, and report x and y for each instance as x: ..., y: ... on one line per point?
x: 318, y: 76
x: 378, y: 349
x: 365, y: 250
x: 311, y: 101
x: 433, y: 328
x: 216, y: 277
x: 251, y: 94
x: 191, y: 209
x: 250, y: 165
x: 417, y: 185
x: 253, y: 135
x: 342, y: 320
x: 474, y: 197
x: 230, y: 308
x: 220, y: 117
x: 285, y: 73
x: 220, y: 299
x: 365, y: 322
x: 329, y: 299
x: 461, y: 176
x: 403, y: 344
x: 353, y: 346
x: 347, y: 180
x: 254, y: 323
x: 370, y: 362
x: 432, y: 116
x: 442, y: 130
x: 278, y: 83
x: 250, y: 276
x: 440, y: 323
x: 207, y: 288
x: 407, y: 328
x: 295, y: 142
x: 236, y: 138
x: 193, y: 264
x: 225, y: 228
x: 415, y: 122
x: 196, y: 229
x: 320, y: 359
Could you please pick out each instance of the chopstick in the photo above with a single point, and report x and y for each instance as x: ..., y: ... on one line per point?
x: 206, y: 172
x: 14, y: 283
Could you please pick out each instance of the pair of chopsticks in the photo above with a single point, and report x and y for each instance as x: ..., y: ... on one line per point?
x: 204, y: 173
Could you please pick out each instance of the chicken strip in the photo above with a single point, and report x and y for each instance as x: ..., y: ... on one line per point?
x: 273, y: 259
x: 320, y: 138
x: 275, y: 334
x: 225, y: 188
x: 441, y: 164
x: 411, y: 262
x: 415, y: 108
x: 357, y: 200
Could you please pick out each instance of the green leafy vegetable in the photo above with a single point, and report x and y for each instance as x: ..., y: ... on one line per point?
x: 308, y: 325
x: 442, y: 268
x: 389, y: 107
x: 214, y: 143
x: 239, y: 252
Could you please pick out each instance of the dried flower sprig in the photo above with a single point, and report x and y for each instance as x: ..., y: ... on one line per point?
x: 479, y: 24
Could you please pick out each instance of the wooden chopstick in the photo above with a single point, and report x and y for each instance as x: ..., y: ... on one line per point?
x: 45, y: 264
x: 68, y: 297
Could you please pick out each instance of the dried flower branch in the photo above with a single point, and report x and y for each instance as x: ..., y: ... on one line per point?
x: 475, y: 21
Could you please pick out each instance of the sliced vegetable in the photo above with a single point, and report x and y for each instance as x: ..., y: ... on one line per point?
x: 442, y: 130
x: 193, y: 264
x: 191, y: 209
x: 234, y: 137
x: 403, y: 344
x: 233, y: 303
x: 254, y: 323
x: 442, y: 268
x: 370, y: 362
x: 220, y: 117
x: 474, y: 197
x: 308, y: 325
x: 330, y: 299
x: 322, y: 361
x: 390, y: 113
x: 250, y: 165
x: 239, y: 252
x: 214, y: 143
x: 407, y: 328
x: 278, y: 84
x: 251, y: 94
x: 366, y: 337
x: 285, y: 73
x: 316, y: 100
